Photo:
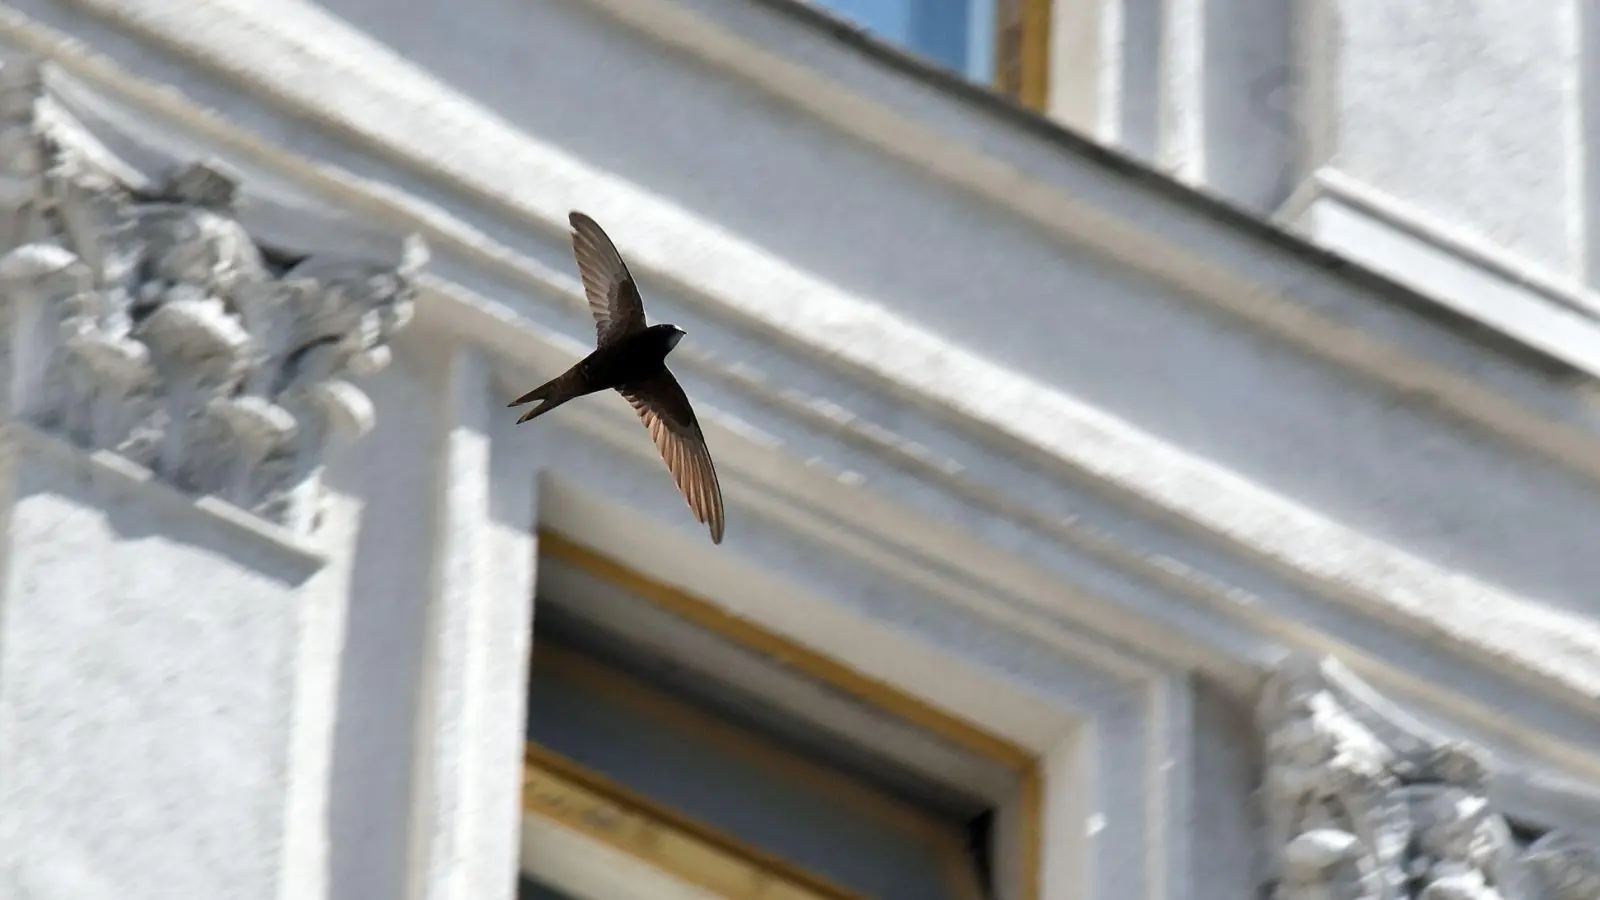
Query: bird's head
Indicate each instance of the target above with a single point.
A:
(674, 335)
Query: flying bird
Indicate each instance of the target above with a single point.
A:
(631, 359)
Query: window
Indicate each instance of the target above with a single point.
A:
(1004, 43)
(665, 759)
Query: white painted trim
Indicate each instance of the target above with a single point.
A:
(1110, 73)
(1369, 226)
(1181, 88)
(461, 485)
(1069, 817)
(469, 732)
(1172, 788)
(1413, 220)
(1076, 68)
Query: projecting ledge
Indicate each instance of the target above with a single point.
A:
(135, 502)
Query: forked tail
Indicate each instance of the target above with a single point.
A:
(550, 395)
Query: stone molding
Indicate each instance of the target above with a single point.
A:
(1535, 307)
(143, 318)
(1363, 802)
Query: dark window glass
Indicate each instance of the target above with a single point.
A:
(528, 889)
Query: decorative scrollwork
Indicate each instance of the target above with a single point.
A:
(146, 320)
(1363, 803)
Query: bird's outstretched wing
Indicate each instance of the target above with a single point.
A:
(665, 411)
(613, 296)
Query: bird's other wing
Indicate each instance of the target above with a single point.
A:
(667, 415)
(613, 296)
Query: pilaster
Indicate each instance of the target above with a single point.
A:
(480, 626)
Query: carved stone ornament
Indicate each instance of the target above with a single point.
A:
(1363, 802)
(143, 318)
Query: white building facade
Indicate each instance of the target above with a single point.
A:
(1207, 517)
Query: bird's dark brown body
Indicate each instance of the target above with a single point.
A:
(631, 359)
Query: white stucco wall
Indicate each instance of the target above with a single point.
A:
(148, 685)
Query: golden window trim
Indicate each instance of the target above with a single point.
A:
(818, 665)
(573, 796)
(648, 702)
(652, 704)
(570, 795)
(1022, 51)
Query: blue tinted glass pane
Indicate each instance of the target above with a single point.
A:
(937, 29)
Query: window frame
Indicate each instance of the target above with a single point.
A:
(1018, 843)
(544, 764)
(572, 796)
(1022, 40)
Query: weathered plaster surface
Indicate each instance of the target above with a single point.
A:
(1484, 139)
(147, 657)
